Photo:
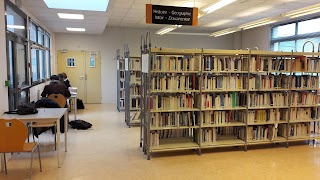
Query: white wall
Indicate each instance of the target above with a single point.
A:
(258, 37)
(114, 38)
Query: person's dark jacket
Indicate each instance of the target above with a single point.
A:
(67, 83)
(55, 87)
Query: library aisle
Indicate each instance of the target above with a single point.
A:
(111, 151)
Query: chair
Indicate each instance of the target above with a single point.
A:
(59, 99)
(13, 134)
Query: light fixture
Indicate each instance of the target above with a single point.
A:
(167, 29)
(252, 11)
(304, 11)
(218, 23)
(86, 5)
(70, 16)
(15, 27)
(224, 32)
(257, 23)
(76, 29)
(217, 5)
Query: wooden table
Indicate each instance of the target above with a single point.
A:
(43, 115)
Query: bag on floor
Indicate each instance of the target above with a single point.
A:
(80, 124)
(80, 104)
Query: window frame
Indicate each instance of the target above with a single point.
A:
(295, 37)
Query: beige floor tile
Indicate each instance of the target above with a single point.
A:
(110, 150)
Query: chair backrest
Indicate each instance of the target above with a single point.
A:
(13, 134)
(59, 98)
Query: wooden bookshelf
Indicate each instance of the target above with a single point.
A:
(232, 98)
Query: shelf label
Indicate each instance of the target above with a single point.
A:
(156, 14)
(118, 65)
(145, 63)
(126, 64)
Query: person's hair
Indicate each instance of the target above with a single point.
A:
(54, 77)
(64, 75)
(60, 76)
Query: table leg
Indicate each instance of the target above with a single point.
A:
(75, 108)
(65, 129)
(58, 142)
(2, 162)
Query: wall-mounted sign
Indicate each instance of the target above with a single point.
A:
(92, 62)
(71, 62)
(156, 14)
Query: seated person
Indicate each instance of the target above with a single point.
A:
(55, 87)
(66, 80)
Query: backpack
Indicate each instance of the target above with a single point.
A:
(80, 124)
(80, 104)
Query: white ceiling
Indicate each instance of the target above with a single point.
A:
(131, 13)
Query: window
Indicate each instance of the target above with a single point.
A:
(40, 53)
(15, 22)
(292, 37)
(33, 32)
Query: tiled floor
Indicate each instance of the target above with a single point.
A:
(111, 151)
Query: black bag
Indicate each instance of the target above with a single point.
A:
(80, 104)
(27, 108)
(80, 124)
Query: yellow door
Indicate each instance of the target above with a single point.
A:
(84, 72)
(93, 77)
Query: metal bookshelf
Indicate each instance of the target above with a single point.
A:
(132, 88)
(120, 82)
(261, 109)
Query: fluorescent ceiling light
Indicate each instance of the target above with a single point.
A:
(224, 32)
(87, 5)
(76, 29)
(70, 16)
(257, 23)
(304, 11)
(15, 27)
(167, 29)
(218, 23)
(217, 5)
(252, 11)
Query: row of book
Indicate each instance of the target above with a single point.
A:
(303, 63)
(175, 83)
(269, 64)
(172, 102)
(305, 81)
(217, 64)
(260, 82)
(226, 100)
(268, 99)
(135, 64)
(175, 63)
(135, 102)
(297, 114)
(266, 115)
(266, 132)
(135, 76)
(135, 90)
(232, 82)
(304, 98)
(296, 129)
(173, 119)
(155, 136)
(209, 135)
(222, 117)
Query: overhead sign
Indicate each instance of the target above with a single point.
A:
(156, 14)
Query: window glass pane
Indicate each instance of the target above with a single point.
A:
(11, 72)
(285, 46)
(308, 46)
(33, 32)
(21, 65)
(15, 23)
(41, 64)
(310, 26)
(48, 65)
(34, 63)
(284, 31)
(23, 97)
(47, 41)
(40, 35)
